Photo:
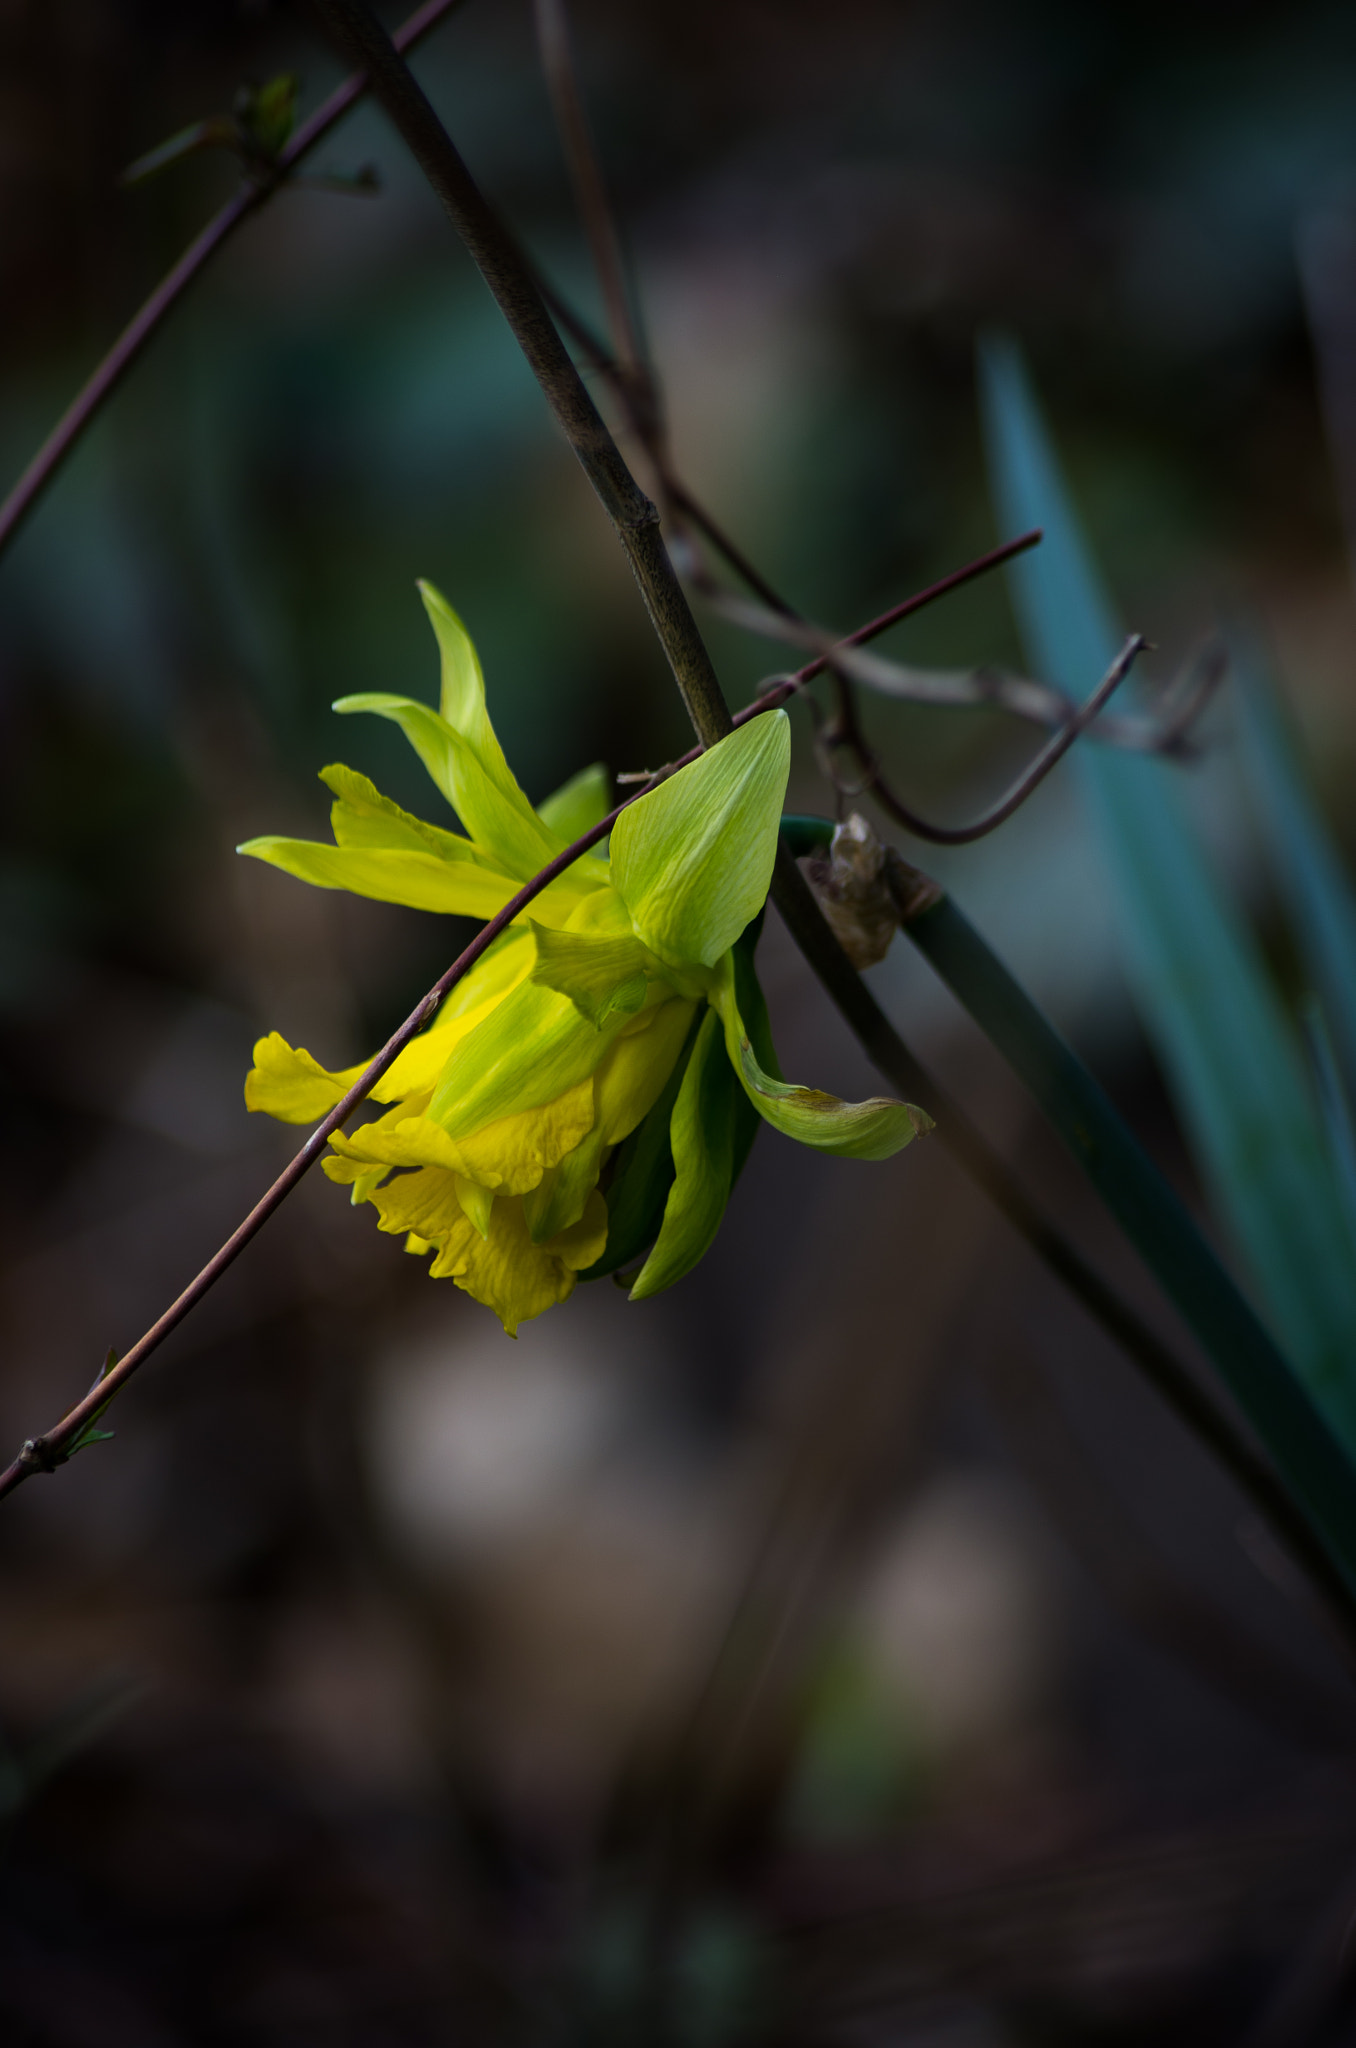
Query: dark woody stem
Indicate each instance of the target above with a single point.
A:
(45, 1453)
(360, 36)
(364, 42)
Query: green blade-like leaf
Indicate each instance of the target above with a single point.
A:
(702, 1136)
(1334, 1107)
(1313, 880)
(638, 1183)
(1199, 981)
(693, 860)
(1307, 1452)
(753, 1010)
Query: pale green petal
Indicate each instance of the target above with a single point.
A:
(476, 1201)
(602, 977)
(499, 819)
(530, 1049)
(875, 1129)
(693, 859)
(574, 808)
(702, 1137)
(509, 1156)
(362, 816)
(420, 881)
(634, 1074)
(602, 913)
(506, 962)
(462, 701)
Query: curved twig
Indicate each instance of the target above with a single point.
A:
(357, 31)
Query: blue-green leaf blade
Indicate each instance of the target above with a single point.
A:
(1226, 1046)
(1313, 882)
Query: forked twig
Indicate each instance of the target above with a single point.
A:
(1025, 785)
(46, 1452)
(633, 518)
(635, 386)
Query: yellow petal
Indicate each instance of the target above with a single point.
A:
(418, 1067)
(287, 1083)
(507, 1157)
(582, 1245)
(631, 1078)
(561, 1198)
(506, 1271)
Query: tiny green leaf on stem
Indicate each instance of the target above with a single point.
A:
(218, 132)
(91, 1433)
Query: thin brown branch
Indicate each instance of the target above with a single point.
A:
(254, 192)
(46, 1452)
(358, 33)
(362, 39)
(586, 176)
(963, 689)
(1025, 785)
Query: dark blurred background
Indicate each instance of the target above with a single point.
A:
(845, 1648)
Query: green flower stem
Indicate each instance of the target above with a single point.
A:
(1308, 1458)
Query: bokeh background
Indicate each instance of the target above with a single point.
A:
(844, 1648)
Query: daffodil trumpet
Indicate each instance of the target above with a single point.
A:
(585, 1096)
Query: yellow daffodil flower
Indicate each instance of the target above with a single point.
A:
(593, 1085)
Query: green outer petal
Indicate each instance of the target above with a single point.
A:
(578, 804)
(642, 1174)
(693, 859)
(530, 1049)
(477, 1203)
(501, 821)
(419, 880)
(602, 977)
(462, 701)
(702, 1136)
(875, 1129)
(753, 1009)
(362, 816)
